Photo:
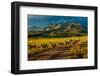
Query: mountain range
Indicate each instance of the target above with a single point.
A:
(66, 29)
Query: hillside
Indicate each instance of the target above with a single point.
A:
(59, 30)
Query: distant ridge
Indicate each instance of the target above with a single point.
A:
(59, 30)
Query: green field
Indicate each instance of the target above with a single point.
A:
(57, 48)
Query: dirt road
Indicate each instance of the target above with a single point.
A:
(59, 52)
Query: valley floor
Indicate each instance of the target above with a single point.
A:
(57, 48)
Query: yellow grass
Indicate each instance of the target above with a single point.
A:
(38, 45)
(47, 40)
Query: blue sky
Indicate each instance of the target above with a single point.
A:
(45, 20)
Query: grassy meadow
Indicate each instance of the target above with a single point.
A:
(57, 48)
